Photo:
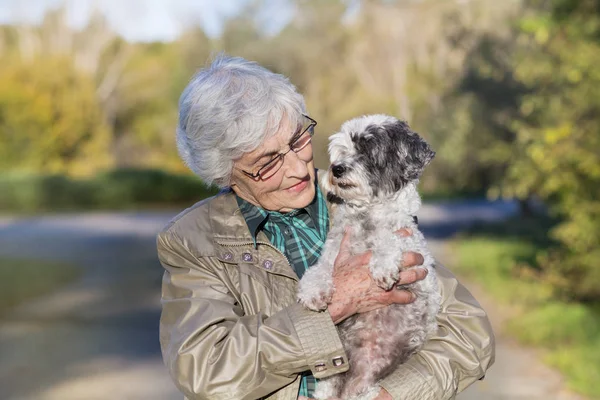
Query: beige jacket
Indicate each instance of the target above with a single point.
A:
(231, 328)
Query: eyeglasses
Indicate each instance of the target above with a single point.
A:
(301, 139)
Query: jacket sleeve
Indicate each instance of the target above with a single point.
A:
(213, 350)
(458, 355)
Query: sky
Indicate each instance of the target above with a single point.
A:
(146, 20)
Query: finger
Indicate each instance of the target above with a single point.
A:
(401, 297)
(412, 259)
(404, 232)
(411, 276)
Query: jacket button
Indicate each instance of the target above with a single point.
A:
(268, 264)
(247, 257)
(227, 256)
(337, 361)
(320, 367)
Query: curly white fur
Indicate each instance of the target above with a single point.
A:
(376, 341)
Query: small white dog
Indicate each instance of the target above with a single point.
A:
(376, 162)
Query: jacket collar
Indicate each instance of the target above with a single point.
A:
(256, 217)
(226, 219)
(234, 240)
(228, 223)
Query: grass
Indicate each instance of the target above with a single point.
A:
(22, 280)
(496, 256)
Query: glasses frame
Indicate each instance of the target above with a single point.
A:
(309, 128)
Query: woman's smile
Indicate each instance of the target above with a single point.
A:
(299, 187)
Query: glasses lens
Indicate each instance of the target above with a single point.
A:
(270, 168)
(301, 142)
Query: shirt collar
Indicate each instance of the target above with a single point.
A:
(256, 216)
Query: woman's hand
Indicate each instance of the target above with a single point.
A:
(355, 290)
(383, 395)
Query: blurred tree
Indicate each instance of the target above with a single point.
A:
(134, 84)
(559, 134)
(312, 51)
(413, 52)
(473, 127)
(435, 64)
(50, 122)
(145, 107)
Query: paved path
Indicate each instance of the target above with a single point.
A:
(97, 338)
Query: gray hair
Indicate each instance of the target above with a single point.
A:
(228, 109)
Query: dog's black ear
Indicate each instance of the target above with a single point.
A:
(422, 156)
(415, 154)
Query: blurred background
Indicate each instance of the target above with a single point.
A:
(507, 93)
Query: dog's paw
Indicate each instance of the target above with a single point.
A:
(325, 390)
(314, 303)
(316, 300)
(315, 289)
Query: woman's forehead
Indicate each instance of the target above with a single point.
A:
(273, 144)
(284, 133)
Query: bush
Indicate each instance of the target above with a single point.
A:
(505, 258)
(117, 189)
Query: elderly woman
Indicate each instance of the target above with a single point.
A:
(230, 326)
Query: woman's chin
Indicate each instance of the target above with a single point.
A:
(298, 196)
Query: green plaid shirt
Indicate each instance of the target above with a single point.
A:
(300, 235)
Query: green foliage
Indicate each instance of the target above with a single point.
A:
(23, 192)
(559, 134)
(524, 121)
(139, 186)
(50, 121)
(578, 361)
(145, 111)
(117, 189)
(498, 257)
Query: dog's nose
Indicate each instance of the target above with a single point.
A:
(338, 170)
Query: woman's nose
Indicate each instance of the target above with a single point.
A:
(296, 164)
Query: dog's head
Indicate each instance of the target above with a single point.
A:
(372, 157)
